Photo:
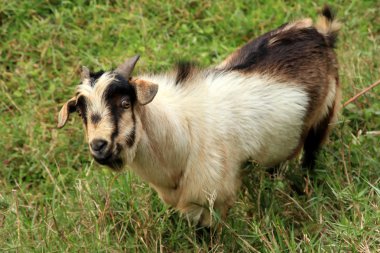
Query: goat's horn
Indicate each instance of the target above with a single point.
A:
(127, 67)
(85, 73)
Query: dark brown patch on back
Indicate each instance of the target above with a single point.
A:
(295, 55)
(251, 53)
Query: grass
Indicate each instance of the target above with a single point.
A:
(54, 198)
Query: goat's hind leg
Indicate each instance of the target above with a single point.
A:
(315, 138)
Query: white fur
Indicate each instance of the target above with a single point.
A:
(196, 137)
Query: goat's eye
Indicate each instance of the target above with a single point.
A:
(125, 104)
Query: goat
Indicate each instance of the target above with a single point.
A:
(188, 132)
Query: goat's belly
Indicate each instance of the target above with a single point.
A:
(274, 132)
(279, 150)
(277, 143)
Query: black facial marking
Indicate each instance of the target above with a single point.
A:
(113, 94)
(132, 136)
(95, 118)
(115, 118)
(120, 87)
(82, 108)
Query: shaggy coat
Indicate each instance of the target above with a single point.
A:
(188, 132)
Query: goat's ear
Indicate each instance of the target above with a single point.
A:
(126, 68)
(65, 111)
(145, 90)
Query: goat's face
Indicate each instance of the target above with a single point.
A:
(109, 106)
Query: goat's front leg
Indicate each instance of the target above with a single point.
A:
(214, 215)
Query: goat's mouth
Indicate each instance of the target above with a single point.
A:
(114, 163)
(112, 160)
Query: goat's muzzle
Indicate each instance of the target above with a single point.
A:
(104, 154)
(98, 147)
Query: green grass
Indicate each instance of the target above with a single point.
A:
(54, 198)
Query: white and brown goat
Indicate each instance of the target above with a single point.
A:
(187, 132)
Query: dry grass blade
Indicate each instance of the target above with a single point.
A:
(361, 93)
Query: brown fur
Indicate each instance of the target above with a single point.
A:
(310, 61)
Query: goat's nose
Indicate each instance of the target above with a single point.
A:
(98, 145)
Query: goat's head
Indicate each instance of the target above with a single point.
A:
(109, 104)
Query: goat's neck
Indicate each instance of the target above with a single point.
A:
(163, 149)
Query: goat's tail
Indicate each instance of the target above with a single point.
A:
(328, 26)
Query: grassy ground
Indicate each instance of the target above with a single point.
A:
(53, 198)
